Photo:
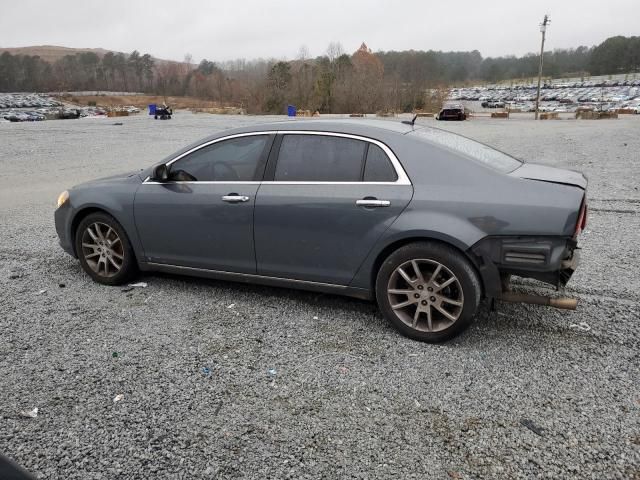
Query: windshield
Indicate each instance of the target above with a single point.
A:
(477, 151)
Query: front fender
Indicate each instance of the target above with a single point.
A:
(115, 199)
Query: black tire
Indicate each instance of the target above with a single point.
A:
(155, 117)
(128, 266)
(456, 264)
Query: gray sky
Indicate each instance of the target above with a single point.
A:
(224, 30)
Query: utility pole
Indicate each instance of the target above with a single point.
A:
(543, 29)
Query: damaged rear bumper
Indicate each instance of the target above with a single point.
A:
(548, 259)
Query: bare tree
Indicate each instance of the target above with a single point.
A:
(303, 53)
(334, 50)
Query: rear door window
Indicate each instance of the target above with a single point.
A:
(320, 158)
(378, 167)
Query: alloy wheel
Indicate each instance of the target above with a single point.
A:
(102, 249)
(425, 295)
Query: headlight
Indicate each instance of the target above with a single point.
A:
(63, 197)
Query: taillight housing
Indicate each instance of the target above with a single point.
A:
(581, 224)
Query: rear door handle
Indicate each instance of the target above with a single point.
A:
(372, 203)
(235, 198)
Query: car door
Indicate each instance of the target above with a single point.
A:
(202, 217)
(325, 200)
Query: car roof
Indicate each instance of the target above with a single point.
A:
(354, 126)
(391, 132)
(382, 130)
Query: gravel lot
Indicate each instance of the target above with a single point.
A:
(300, 385)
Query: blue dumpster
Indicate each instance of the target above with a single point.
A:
(152, 109)
(291, 110)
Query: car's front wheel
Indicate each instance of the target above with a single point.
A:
(428, 291)
(104, 250)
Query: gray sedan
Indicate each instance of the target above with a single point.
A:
(426, 222)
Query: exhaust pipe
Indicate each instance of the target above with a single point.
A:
(562, 302)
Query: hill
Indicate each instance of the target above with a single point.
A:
(51, 53)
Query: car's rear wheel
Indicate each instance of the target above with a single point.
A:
(428, 291)
(104, 250)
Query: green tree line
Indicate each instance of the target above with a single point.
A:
(334, 82)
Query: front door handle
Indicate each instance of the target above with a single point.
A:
(372, 203)
(235, 198)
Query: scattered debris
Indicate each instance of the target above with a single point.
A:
(217, 410)
(532, 426)
(131, 286)
(272, 371)
(117, 398)
(29, 414)
(206, 371)
(231, 306)
(315, 318)
(343, 370)
(14, 275)
(61, 285)
(114, 355)
(583, 326)
(40, 292)
(118, 123)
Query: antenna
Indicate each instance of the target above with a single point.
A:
(412, 121)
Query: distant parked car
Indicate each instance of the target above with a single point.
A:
(424, 221)
(35, 116)
(453, 112)
(494, 104)
(17, 117)
(634, 108)
(69, 113)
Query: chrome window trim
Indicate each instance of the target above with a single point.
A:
(203, 182)
(403, 178)
(206, 144)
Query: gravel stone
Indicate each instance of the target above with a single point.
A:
(351, 397)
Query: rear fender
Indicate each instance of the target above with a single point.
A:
(438, 226)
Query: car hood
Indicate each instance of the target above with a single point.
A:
(131, 176)
(543, 173)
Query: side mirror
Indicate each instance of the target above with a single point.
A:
(160, 173)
